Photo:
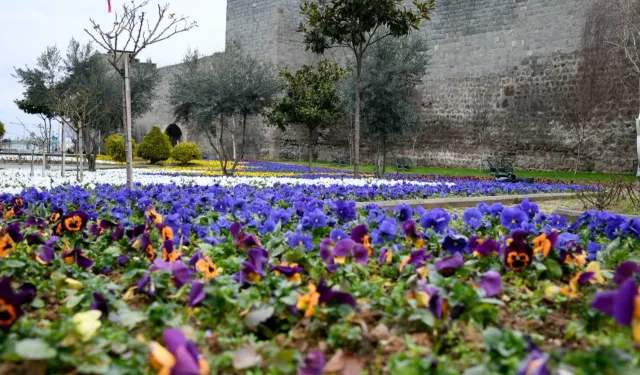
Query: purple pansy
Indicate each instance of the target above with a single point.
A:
(436, 219)
(491, 283)
(447, 266)
(313, 363)
(78, 257)
(473, 218)
(11, 302)
(513, 218)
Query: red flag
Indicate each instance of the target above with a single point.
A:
(109, 5)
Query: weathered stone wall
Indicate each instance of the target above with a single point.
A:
(519, 57)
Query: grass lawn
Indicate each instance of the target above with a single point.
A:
(555, 175)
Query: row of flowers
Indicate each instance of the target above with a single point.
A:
(260, 278)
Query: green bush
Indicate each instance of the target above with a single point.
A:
(185, 152)
(115, 147)
(155, 146)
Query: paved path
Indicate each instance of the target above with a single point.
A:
(470, 201)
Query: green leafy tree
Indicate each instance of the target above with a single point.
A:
(40, 84)
(1, 129)
(356, 25)
(115, 147)
(390, 76)
(311, 100)
(81, 91)
(209, 93)
(156, 146)
(185, 152)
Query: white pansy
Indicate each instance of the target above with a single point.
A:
(13, 181)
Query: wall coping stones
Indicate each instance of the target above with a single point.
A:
(469, 201)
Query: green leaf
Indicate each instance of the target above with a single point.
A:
(114, 251)
(37, 303)
(424, 316)
(93, 369)
(255, 317)
(35, 349)
(555, 270)
(492, 301)
(74, 300)
(130, 318)
(290, 299)
(14, 263)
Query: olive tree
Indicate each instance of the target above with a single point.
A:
(208, 93)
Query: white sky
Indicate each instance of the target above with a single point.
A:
(29, 26)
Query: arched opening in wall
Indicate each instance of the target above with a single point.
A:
(174, 133)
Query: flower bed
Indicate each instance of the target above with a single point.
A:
(26, 158)
(199, 279)
(15, 180)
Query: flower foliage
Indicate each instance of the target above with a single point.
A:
(189, 279)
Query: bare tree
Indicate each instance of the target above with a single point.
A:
(134, 30)
(481, 118)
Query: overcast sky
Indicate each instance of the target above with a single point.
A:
(29, 26)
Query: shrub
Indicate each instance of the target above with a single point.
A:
(115, 147)
(155, 146)
(185, 152)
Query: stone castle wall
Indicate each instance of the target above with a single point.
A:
(517, 57)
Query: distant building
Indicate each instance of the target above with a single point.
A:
(13, 145)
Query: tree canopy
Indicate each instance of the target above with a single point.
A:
(209, 91)
(311, 100)
(80, 90)
(356, 25)
(390, 76)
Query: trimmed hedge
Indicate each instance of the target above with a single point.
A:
(155, 147)
(185, 152)
(115, 147)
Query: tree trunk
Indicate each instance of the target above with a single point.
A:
(244, 132)
(80, 159)
(44, 160)
(575, 172)
(62, 149)
(310, 150)
(356, 122)
(233, 136)
(377, 169)
(222, 155)
(384, 158)
(91, 159)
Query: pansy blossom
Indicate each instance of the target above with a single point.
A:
(412, 233)
(11, 301)
(252, 269)
(518, 253)
(536, 362)
(483, 246)
(78, 257)
(203, 264)
(428, 296)
(74, 221)
(178, 356)
(290, 271)
(313, 363)
(360, 234)
(544, 243)
(448, 266)
(623, 305)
